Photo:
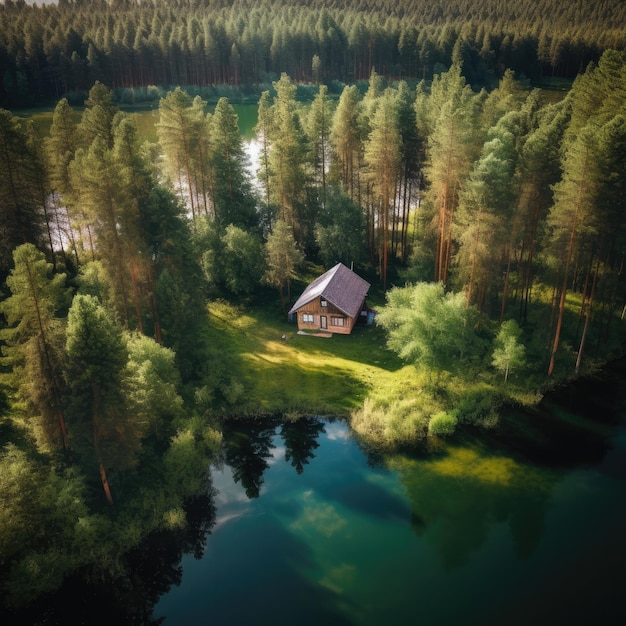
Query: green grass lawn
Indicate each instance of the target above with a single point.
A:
(306, 374)
(389, 403)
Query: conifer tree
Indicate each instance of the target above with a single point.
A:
(20, 217)
(346, 141)
(264, 130)
(283, 257)
(178, 138)
(382, 157)
(451, 147)
(61, 145)
(572, 218)
(484, 217)
(34, 343)
(105, 436)
(318, 128)
(234, 202)
(289, 180)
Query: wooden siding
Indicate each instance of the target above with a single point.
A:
(316, 309)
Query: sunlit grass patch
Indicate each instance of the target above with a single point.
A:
(282, 371)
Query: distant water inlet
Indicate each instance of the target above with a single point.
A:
(522, 525)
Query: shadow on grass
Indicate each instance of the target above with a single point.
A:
(298, 373)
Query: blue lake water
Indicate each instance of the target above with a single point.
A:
(525, 525)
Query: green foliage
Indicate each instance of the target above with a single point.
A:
(478, 406)
(431, 328)
(34, 340)
(20, 180)
(340, 230)
(509, 353)
(185, 464)
(443, 423)
(288, 179)
(151, 385)
(46, 50)
(395, 423)
(243, 261)
(104, 434)
(283, 256)
(95, 346)
(233, 200)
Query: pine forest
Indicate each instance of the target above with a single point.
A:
(422, 142)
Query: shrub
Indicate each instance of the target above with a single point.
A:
(442, 423)
(479, 407)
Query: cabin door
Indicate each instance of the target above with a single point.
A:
(323, 322)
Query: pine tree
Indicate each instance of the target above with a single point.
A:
(105, 435)
(20, 217)
(452, 118)
(289, 180)
(382, 157)
(178, 135)
(484, 218)
(346, 141)
(34, 343)
(572, 217)
(234, 202)
(283, 257)
(318, 129)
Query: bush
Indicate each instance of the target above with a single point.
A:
(442, 423)
(479, 407)
(399, 422)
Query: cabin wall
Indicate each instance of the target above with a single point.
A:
(337, 322)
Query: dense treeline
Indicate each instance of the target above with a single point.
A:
(512, 210)
(50, 51)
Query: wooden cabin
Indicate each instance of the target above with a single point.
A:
(332, 303)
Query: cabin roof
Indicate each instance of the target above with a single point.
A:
(340, 286)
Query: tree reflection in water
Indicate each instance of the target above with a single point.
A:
(247, 446)
(148, 572)
(300, 439)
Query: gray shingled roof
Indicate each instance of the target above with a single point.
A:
(340, 286)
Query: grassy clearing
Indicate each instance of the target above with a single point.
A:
(308, 374)
(390, 404)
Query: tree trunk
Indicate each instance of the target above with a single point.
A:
(96, 441)
(559, 322)
(587, 317)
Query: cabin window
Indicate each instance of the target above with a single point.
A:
(337, 321)
(323, 302)
(307, 318)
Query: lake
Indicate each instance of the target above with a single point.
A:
(145, 117)
(523, 524)
(303, 526)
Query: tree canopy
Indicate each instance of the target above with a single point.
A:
(62, 48)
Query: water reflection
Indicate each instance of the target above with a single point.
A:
(528, 512)
(300, 440)
(247, 446)
(148, 573)
(458, 497)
